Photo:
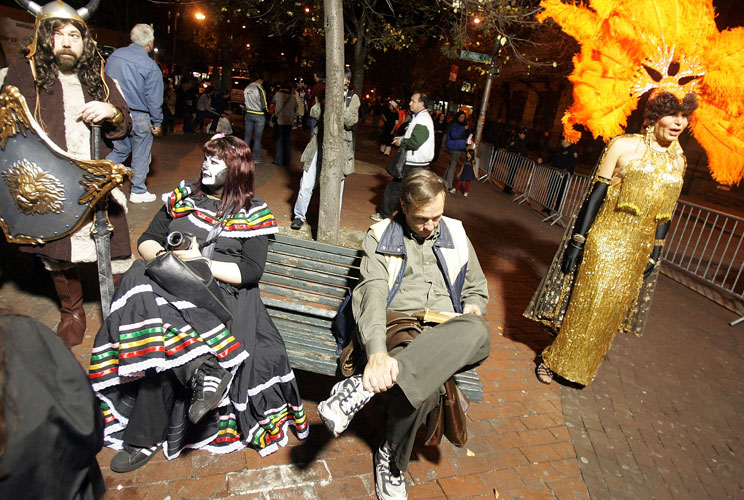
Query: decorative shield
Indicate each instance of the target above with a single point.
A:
(45, 193)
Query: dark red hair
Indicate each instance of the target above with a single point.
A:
(238, 190)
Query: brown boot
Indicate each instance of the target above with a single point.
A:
(71, 328)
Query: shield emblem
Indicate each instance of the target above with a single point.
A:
(45, 193)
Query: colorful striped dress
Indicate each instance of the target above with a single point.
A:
(150, 329)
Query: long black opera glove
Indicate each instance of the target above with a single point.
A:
(661, 232)
(584, 222)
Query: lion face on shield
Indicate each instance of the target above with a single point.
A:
(33, 189)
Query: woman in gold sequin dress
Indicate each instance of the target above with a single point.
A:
(614, 246)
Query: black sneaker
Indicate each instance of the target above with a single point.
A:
(208, 386)
(132, 457)
(297, 223)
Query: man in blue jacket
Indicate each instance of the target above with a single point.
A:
(141, 82)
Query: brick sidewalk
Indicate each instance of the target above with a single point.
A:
(521, 445)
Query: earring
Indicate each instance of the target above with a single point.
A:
(650, 129)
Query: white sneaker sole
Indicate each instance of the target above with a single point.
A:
(329, 423)
(380, 497)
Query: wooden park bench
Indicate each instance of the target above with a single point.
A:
(302, 286)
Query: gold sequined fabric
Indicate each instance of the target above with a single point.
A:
(607, 293)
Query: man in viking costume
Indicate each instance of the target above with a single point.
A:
(63, 83)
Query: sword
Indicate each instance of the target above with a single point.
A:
(101, 230)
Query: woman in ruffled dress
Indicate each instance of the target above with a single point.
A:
(174, 374)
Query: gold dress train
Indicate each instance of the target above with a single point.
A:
(609, 279)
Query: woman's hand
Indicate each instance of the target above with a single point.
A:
(192, 252)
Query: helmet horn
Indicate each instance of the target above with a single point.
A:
(33, 7)
(88, 10)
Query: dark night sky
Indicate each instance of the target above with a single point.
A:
(731, 12)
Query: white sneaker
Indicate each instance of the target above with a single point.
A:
(390, 484)
(347, 398)
(145, 197)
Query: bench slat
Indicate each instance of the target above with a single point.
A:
(322, 324)
(305, 274)
(295, 295)
(271, 302)
(313, 254)
(313, 265)
(307, 286)
(325, 247)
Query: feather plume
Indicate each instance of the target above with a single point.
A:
(629, 47)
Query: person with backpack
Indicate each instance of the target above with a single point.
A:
(457, 141)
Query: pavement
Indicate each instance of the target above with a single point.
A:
(663, 418)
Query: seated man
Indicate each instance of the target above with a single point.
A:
(414, 261)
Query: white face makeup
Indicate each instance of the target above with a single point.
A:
(213, 172)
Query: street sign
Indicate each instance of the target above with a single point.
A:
(475, 57)
(453, 72)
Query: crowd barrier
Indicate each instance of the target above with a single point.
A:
(703, 243)
(708, 245)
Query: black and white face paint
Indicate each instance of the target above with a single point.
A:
(213, 172)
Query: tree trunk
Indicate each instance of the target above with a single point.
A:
(333, 123)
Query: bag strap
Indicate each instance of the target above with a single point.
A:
(209, 245)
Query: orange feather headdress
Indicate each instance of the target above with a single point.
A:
(629, 47)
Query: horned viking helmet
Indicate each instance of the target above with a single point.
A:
(55, 10)
(59, 10)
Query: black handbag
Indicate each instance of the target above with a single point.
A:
(397, 163)
(191, 281)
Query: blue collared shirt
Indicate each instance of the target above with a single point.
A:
(140, 79)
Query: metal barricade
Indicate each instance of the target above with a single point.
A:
(708, 245)
(500, 166)
(547, 188)
(514, 171)
(484, 160)
(572, 197)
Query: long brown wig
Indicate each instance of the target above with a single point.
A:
(238, 190)
(87, 68)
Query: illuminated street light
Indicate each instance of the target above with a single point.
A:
(199, 16)
(307, 10)
(476, 20)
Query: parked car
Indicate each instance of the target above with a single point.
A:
(239, 83)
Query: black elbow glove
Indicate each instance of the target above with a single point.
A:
(661, 232)
(584, 222)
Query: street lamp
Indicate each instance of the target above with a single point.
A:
(199, 16)
(499, 43)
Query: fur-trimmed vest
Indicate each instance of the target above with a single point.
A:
(62, 124)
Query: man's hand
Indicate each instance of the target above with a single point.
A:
(380, 372)
(471, 309)
(97, 112)
(397, 140)
(156, 131)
